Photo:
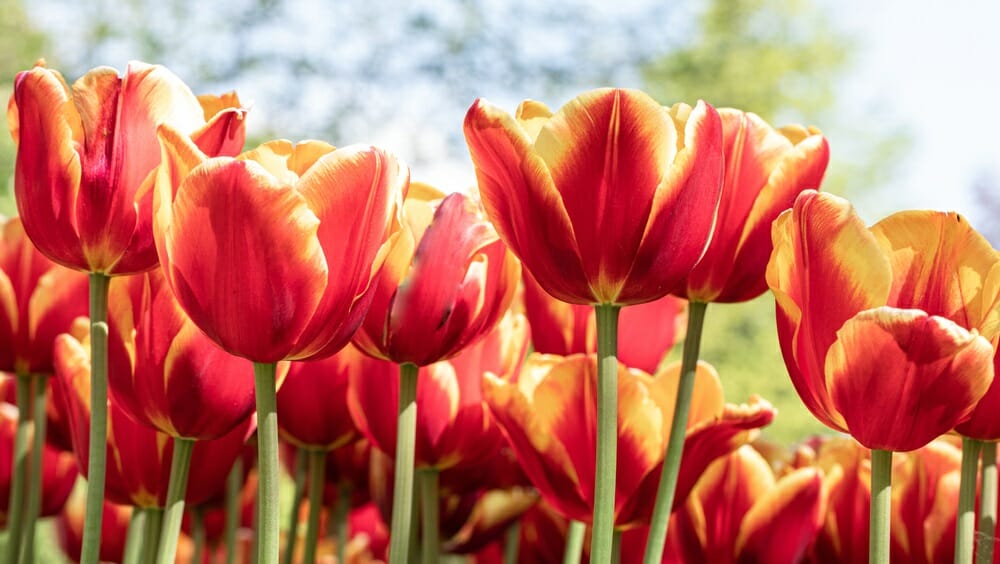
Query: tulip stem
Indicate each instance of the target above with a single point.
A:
(267, 463)
(234, 487)
(402, 492)
(512, 542)
(15, 520)
(965, 531)
(881, 506)
(574, 542)
(151, 535)
(40, 382)
(431, 546)
(601, 539)
(96, 460)
(180, 462)
(616, 547)
(198, 533)
(300, 475)
(987, 505)
(317, 475)
(678, 430)
(341, 512)
(133, 537)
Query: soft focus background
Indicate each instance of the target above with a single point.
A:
(905, 91)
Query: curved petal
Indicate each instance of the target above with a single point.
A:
(558, 327)
(60, 297)
(252, 291)
(825, 268)
(783, 523)
(224, 132)
(940, 265)
(312, 401)
(934, 370)
(523, 203)
(983, 424)
(647, 332)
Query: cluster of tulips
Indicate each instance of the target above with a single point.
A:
(444, 370)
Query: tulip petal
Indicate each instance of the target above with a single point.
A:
(782, 524)
(934, 371)
(523, 203)
(825, 268)
(251, 290)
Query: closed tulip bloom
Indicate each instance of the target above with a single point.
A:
(766, 168)
(646, 331)
(925, 507)
(114, 528)
(903, 310)
(609, 200)
(139, 457)
(272, 254)
(84, 154)
(549, 417)
(446, 283)
(167, 374)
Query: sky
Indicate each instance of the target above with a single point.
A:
(937, 71)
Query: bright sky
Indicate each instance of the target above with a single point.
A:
(938, 68)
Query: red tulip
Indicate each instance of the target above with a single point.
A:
(766, 169)
(84, 155)
(139, 457)
(646, 331)
(114, 527)
(272, 254)
(445, 284)
(612, 199)
(895, 311)
(57, 431)
(549, 417)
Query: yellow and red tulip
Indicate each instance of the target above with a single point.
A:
(446, 283)
(84, 154)
(164, 372)
(549, 417)
(647, 331)
(766, 168)
(272, 254)
(905, 308)
(611, 199)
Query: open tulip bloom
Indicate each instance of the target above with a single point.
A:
(902, 311)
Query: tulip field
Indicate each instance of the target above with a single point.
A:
(291, 353)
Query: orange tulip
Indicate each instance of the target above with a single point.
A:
(766, 169)
(84, 155)
(903, 310)
(272, 254)
(446, 283)
(164, 372)
(139, 457)
(647, 331)
(549, 417)
(611, 199)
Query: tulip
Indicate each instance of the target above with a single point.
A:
(115, 527)
(83, 185)
(166, 374)
(272, 255)
(903, 310)
(39, 300)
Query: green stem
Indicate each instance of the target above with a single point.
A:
(97, 457)
(678, 430)
(34, 505)
(965, 532)
(340, 514)
(198, 533)
(881, 506)
(234, 487)
(987, 505)
(429, 503)
(601, 539)
(300, 487)
(402, 493)
(133, 538)
(512, 542)
(574, 542)
(267, 464)
(151, 534)
(179, 465)
(15, 520)
(317, 475)
(616, 547)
